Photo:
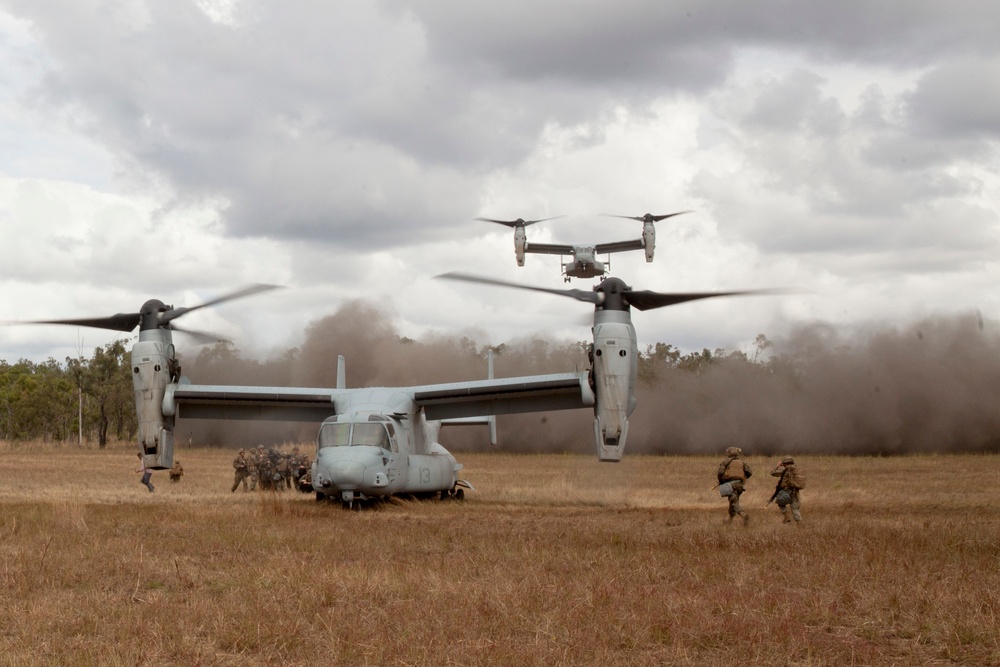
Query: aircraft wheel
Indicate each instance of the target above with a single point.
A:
(459, 494)
(320, 497)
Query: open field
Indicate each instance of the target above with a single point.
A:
(554, 560)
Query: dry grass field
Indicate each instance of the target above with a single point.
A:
(554, 560)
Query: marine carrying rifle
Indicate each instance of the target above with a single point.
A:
(777, 487)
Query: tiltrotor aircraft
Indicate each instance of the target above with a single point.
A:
(584, 263)
(374, 442)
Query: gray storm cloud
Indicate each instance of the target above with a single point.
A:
(314, 120)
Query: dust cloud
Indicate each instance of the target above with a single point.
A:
(931, 386)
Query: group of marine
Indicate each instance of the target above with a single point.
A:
(271, 470)
(734, 472)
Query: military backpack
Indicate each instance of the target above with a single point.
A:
(734, 470)
(796, 480)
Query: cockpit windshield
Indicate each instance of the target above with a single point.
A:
(370, 434)
(339, 435)
(334, 435)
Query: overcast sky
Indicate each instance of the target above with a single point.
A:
(181, 150)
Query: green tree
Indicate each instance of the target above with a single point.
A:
(656, 360)
(35, 401)
(108, 381)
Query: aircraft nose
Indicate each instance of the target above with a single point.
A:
(347, 473)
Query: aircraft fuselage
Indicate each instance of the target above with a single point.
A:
(364, 452)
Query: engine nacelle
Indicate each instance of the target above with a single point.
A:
(615, 366)
(520, 241)
(153, 363)
(649, 239)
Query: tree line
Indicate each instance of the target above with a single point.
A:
(60, 402)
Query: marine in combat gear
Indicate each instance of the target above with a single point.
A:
(176, 472)
(733, 473)
(786, 492)
(241, 471)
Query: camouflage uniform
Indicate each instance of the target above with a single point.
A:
(283, 467)
(253, 465)
(295, 465)
(267, 469)
(242, 471)
(790, 481)
(176, 472)
(735, 472)
(304, 484)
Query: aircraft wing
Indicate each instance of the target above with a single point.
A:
(548, 248)
(504, 396)
(201, 401)
(619, 246)
(456, 400)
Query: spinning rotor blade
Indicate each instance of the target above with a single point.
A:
(647, 300)
(154, 314)
(238, 294)
(580, 295)
(649, 217)
(613, 293)
(520, 222)
(200, 337)
(121, 322)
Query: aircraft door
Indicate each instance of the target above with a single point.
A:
(392, 461)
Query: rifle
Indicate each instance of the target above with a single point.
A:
(777, 488)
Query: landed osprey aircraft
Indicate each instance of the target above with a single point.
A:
(584, 263)
(374, 442)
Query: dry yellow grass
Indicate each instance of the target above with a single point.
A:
(554, 560)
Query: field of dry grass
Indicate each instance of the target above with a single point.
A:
(554, 560)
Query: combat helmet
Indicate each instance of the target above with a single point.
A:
(733, 452)
(787, 461)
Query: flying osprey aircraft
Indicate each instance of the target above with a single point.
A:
(584, 263)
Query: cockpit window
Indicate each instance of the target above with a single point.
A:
(335, 435)
(371, 434)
